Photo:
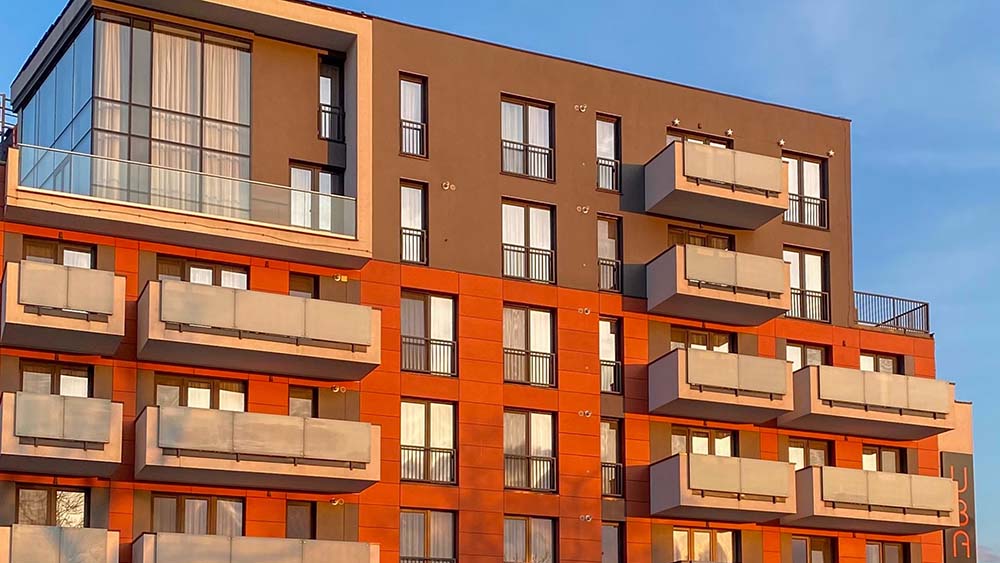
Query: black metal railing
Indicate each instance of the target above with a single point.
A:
(526, 160)
(409, 559)
(896, 313)
(535, 473)
(434, 465)
(532, 368)
(610, 274)
(412, 137)
(8, 126)
(806, 210)
(331, 123)
(427, 355)
(535, 264)
(810, 305)
(413, 245)
(612, 479)
(611, 377)
(608, 174)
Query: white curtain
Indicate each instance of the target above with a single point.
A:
(228, 518)
(607, 239)
(220, 196)
(605, 139)
(442, 535)
(195, 516)
(608, 343)
(442, 426)
(724, 547)
(111, 61)
(541, 331)
(514, 433)
(702, 546)
(793, 174)
(792, 258)
(681, 545)
(442, 328)
(512, 122)
(73, 385)
(814, 272)
(413, 424)
(514, 328)
(541, 540)
(540, 228)
(411, 207)
(413, 317)
(810, 179)
(515, 549)
(411, 101)
(541, 434)
(411, 534)
(301, 198)
(227, 84)
(110, 177)
(176, 73)
(538, 126)
(513, 224)
(609, 443)
(171, 186)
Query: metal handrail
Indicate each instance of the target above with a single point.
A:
(424, 355)
(413, 238)
(611, 377)
(423, 459)
(417, 136)
(886, 311)
(518, 262)
(331, 120)
(608, 168)
(611, 479)
(610, 274)
(526, 150)
(520, 472)
(803, 208)
(519, 367)
(809, 305)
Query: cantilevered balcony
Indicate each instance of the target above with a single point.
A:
(61, 308)
(52, 544)
(62, 435)
(185, 548)
(716, 185)
(864, 403)
(728, 489)
(720, 386)
(257, 331)
(223, 448)
(717, 285)
(837, 498)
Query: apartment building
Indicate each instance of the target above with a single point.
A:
(287, 283)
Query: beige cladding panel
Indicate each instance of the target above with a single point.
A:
(714, 473)
(205, 430)
(268, 434)
(315, 551)
(712, 369)
(709, 163)
(265, 550)
(761, 273)
(86, 419)
(269, 313)
(710, 265)
(43, 285)
(38, 416)
(331, 321)
(351, 440)
(763, 375)
(884, 389)
(758, 171)
(932, 493)
(841, 385)
(888, 489)
(90, 290)
(177, 548)
(844, 485)
(194, 304)
(77, 419)
(765, 478)
(930, 395)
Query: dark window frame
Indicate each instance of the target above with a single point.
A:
(526, 249)
(712, 338)
(55, 370)
(422, 126)
(802, 295)
(722, 241)
(610, 168)
(713, 434)
(426, 557)
(301, 392)
(527, 352)
(904, 555)
(185, 265)
(550, 150)
(612, 371)
(57, 247)
(183, 383)
(528, 540)
(426, 448)
(808, 446)
(879, 451)
(311, 505)
(877, 357)
(553, 440)
(797, 197)
(830, 550)
(303, 279)
(51, 509)
(211, 515)
(736, 546)
(610, 269)
(613, 472)
(429, 344)
(420, 234)
(335, 114)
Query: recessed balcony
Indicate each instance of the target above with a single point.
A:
(258, 331)
(180, 548)
(864, 403)
(838, 498)
(716, 185)
(62, 435)
(728, 489)
(61, 308)
(21, 543)
(719, 386)
(223, 448)
(717, 285)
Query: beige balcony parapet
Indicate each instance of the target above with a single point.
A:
(184, 548)
(22, 543)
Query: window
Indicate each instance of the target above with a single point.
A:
(331, 111)
(197, 515)
(55, 379)
(412, 115)
(529, 461)
(702, 340)
(611, 356)
(612, 473)
(802, 355)
(177, 391)
(38, 505)
(58, 252)
(690, 137)
(528, 346)
(528, 540)
(703, 441)
(300, 520)
(882, 458)
(428, 333)
(682, 235)
(526, 144)
(608, 153)
(810, 299)
(806, 191)
(812, 550)
(884, 552)
(427, 438)
(302, 402)
(413, 223)
(609, 259)
(528, 242)
(204, 273)
(802, 453)
(426, 536)
(611, 542)
(316, 199)
(718, 546)
(882, 363)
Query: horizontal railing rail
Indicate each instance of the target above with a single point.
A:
(608, 174)
(8, 125)
(412, 137)
(331, 123)
(413, 245)
(535, 473)
(612, 481)
(428, 355)
(897, 313)
(611, 377)
(535, 264)
(435, 465)
(610, 274)
(409, 559)
(806, 210)
(533, 368)
(810, 305)
(526, 159)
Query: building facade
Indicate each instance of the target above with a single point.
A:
(289, 283)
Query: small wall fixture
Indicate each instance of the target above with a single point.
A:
(781, 142)
(336, 501)
(586, 518)
(583, 310)
(676, 122)
(729, 132)
(446, 185)
(585, 414)
(830, 153)
(340, 278)
(583, 209)
(582, 108)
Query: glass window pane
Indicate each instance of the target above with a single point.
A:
(797, 456)
(300, 406)
(442, 536)
(873, 553)
(867, 362)
(37, 382)
(168, 395)
(71, 509)
(512, 122)
(76, 258)
(681, 545)
(892, 553)
(702, 546)
(74, 385)
(678, 444)
(111, 60)
(890, 461)
(817, 456)
(887, 365)
(515, 541)
(176, 72)
(606, 139)
(234, 279)
(164, 514)
(196, 516)
(869, 460)
(201, 275)
(411, 207)
(199, 395)
(411, 101)
(32, 507)
(298, 520)
(793, 353)
(814, 356)
(515, 433)
(412, 534)
(541, 540)
(231, 396)
(610, 543)
(800, 550)
(724, 549)
(724, 444)
(229, 518)
(699, 443)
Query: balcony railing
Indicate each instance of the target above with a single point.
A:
(331, 123)
(535, 264)
(413, 245)
(427, 355)
(412, 137)
(806, 210)
(612, 479)
(535, 473)
(434, 465)
(611, 274)
(8, 125)
(608, 174)
(525, 366)
(896, 313)
(186, 191)
(611, 377)
(408, 559)
(810, 305)
(526, 160)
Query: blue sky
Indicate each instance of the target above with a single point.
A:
(920, 80)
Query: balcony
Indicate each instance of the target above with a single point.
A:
(20, 543)
(727, 489)
(180, 548)
(717, 285)
(62, 309)
(257, 331)
(892, 313)
(719, 386)
(837, 498)
(240, 449)
(716, 185)
(863, 403)
(61, 435)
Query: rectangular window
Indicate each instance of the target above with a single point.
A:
(803, 453)
(528, 355)
(882, 363)
(611, 542)
(303, 285)
(529, 452)
(812, 550)
(412, 115)
(609, 257)
(883, 458)
(331, 110)
(810, 296)
(426, 536)
(38, 505)
(528, 540)
(204, 273)
(300, 520)
(884, 552)
(718, 546)
(178, 391)
(302, 402)
(612, 471)
(806, 191)
(197, 515)
(427, 439)
(56, 379)
(608, 153)
(58, 252)
(685, 338)
(528, 242)
(413, 223)
(526, 144)
(702, 441)
(611, 355)
(428, 333)
(682, 236)
(802, 355)
(317, 200)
